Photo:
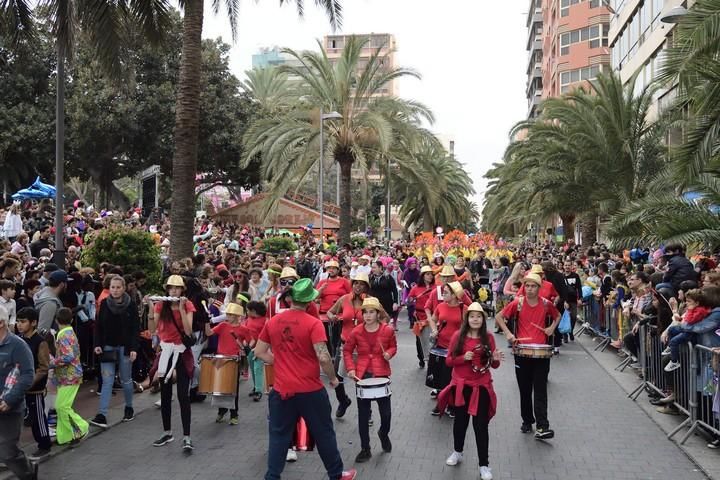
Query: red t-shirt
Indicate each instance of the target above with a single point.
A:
(530, 319)
(547, 290)
(350, 317)
(255, 325)
(421, 295)
(165, 330)
(227, 345)
(291, 335)
(450, 319)
(333, 290)
(433, 300)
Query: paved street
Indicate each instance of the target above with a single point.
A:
(600, 434)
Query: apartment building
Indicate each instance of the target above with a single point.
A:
(334, 44)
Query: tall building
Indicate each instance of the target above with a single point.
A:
(534, 87)
(270, 57)
(334, 44)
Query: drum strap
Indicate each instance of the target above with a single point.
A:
(516, 317)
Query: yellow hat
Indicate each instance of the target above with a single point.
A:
(482, 294)
(447, 271)
(425, 269)
(457, 289)
(289, 272)
(332, 263)
(175, 281)
(536, 269)
(235, 309)
(533, 277)
(372, 303)
(362, 277)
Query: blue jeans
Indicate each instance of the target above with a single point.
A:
(677, 337)
(108, 376)
(314, 407)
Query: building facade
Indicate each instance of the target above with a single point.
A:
(534, 86)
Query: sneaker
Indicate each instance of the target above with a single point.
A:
(421, 364)
(435, 412)
(371, 422)
(164, 440)
(450, 412)
(667, 400)
(715, 444)
(187, 445)
(137, 387)
(342, 407)
(99, 421)
(51, 432)
(386, 443)
(291, 456)
(572, 337)
(80, 438)
(666, 352)
(233, 421)
(454, 459)
(526, 428)
(52, 417)
(672, 366)
(39, 454)
(556, 351)
(348, 475)
(363, 456)
(544, 434)
(433, 393)
(485, 473)
(636, 365)
(220, 418)
(252, 393)
(158, 403)
(257, 396)
(129, 415)
(667, 410)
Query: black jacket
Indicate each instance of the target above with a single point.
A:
(383, 288)
(118, 329)
(679, 270)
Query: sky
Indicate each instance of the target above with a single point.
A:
(471, 55)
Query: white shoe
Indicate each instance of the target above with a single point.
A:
(291, 456)
(666, 352)
(158, 403)
(672, 366)
(485, 473)
(454, 459)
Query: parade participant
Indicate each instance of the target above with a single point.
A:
(16, 372)
(472, 352)
(418, 296)
(331, 289)
(117, 333)
(174, 328)
(71, 427)
(295, 343)
(446, 276)
(444, 322)
(279, 303)
(256, 318)
(232, 336)
(27, 321)
(438, 263)
(534, 319)
(547, 290)
(375, 344)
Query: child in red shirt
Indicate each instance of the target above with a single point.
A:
(256, 318)
(696, 310)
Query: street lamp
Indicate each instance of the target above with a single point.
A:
(674, 14)
(323, 116)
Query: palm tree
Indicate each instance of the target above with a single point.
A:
(187, 113)
(289, 141)
(104, 22)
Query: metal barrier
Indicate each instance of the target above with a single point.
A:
(703, 391)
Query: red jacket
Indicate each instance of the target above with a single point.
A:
(370, 357)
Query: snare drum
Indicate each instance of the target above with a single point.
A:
(269, 377)
(371, 388)
(438, 373)
(533, 350)
(218, 375)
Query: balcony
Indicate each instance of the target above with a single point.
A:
(534, 17)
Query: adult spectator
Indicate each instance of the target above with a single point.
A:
(42, 242)
(47, 300)
(29, 289)
(679, 267)
(73, 258)
(383, 287)
(48, 269)
(480, 269)
(639, 284)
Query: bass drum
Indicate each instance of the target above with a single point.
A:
(438, 374)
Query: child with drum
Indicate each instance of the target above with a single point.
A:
(471, 354)
(375, 344)
(232, 336)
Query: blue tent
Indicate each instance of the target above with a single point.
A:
(35, 191)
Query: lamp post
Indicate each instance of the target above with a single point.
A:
(321, 208)
(674, 15)
(388, 227)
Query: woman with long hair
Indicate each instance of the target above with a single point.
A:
(419, 295)
(470, 392)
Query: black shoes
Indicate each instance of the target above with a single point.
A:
(342, 407)
(99, 421)
(385, 442)
(421, 364)
(164, 440)
(363, 456)
(544, 434)
(526, 428)
(257, 396)
(129, 415)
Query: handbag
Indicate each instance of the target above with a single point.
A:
(187, 340)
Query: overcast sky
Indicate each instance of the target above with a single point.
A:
(470, 53)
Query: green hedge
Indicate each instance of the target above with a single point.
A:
(128, 248)
(277, 244)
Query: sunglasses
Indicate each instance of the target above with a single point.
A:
(286, 283)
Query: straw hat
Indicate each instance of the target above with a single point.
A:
(332, 263)
(457, 289)
(175, 281)
(475, 307)
(372, 303)
(235, 309)
(533, 277)
(362, 277)
(366, 257)
(289, 272)
(447, 271)
(536, 269)
(425, 269)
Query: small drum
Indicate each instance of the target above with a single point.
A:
(218, 375)
(371, 388)
(269, 377)
(438, 374)
(533, 350)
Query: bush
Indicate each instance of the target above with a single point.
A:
(276, 245)
(359, 241)
(128, 248)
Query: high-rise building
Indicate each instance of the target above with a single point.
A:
(334, 44)
(535, 55)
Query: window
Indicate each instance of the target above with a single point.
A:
(595, 35)
(574, 76)
(594, 3)
(565, 6)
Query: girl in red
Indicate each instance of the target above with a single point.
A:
(256, 317)
(471, 392)
(444, 322)
(375, 345)
(419, 295)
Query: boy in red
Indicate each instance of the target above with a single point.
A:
(472, 353)
(232, 336)
(294, 342)
(255, 322)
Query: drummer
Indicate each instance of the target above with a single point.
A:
(447, 275)
(472, 353)
(232, 336)
(444, 323)
(535, 319)
(375, 344)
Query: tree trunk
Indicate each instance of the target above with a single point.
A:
(589, 229)
(109, 193)
(568, 221)
(427, 221)
(345, 199)
(187, 115)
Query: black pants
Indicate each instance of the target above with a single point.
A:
(573, 317)
(532, 375)
(418, 347)
(631, 342)
(10, 454)
(183, 395)
(364, 413)
(36, 413)
(233, 412)
(480, 425)
(557, 338)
